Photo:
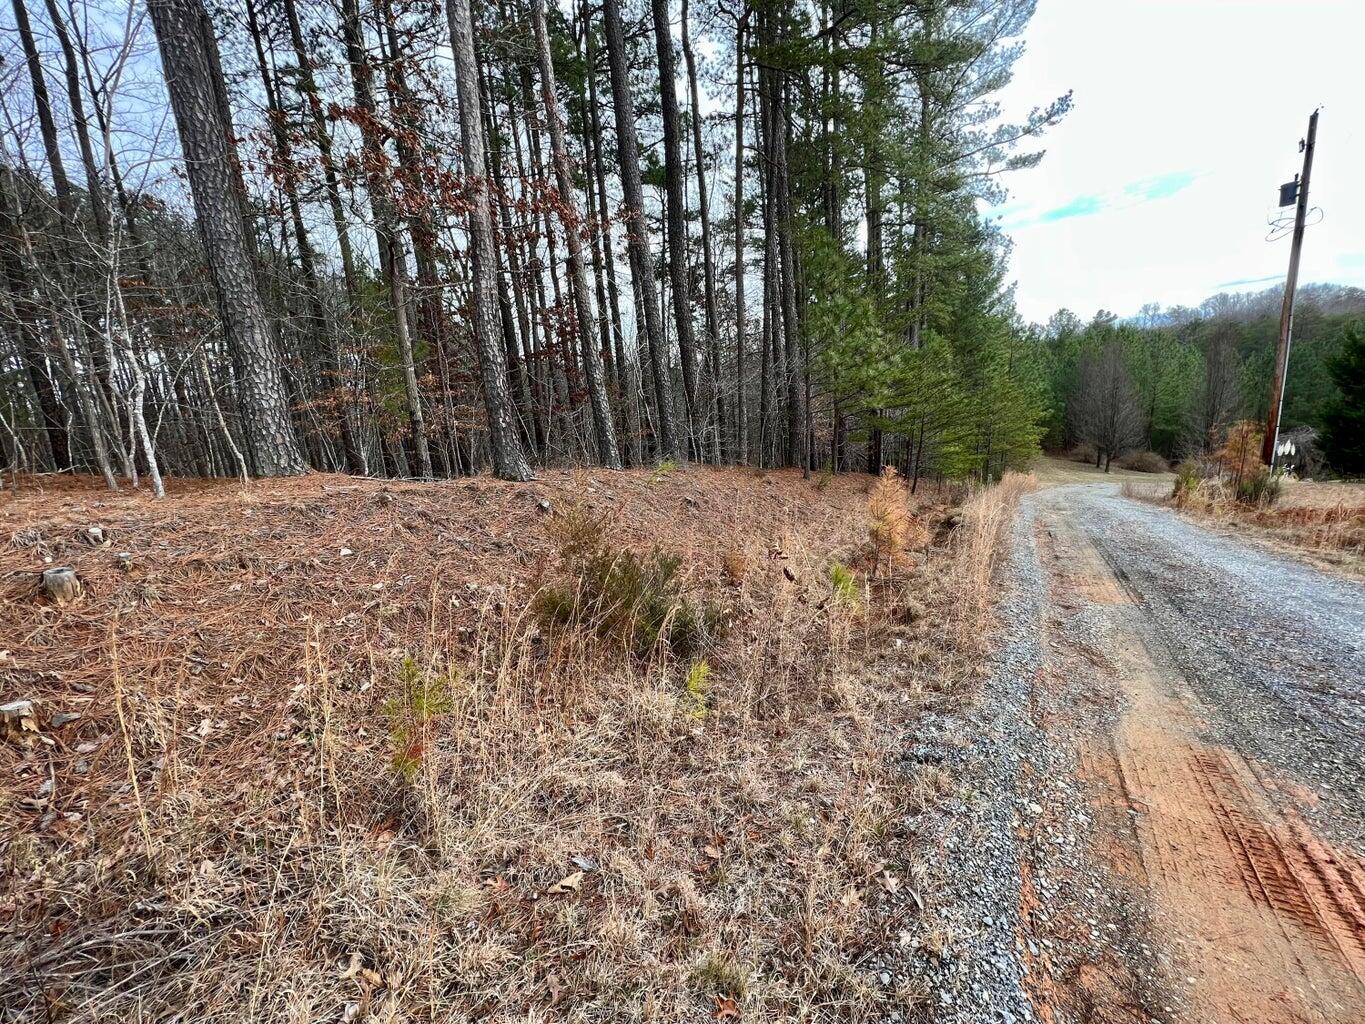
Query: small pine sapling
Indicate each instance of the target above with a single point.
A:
(889, 519)
(423, 697)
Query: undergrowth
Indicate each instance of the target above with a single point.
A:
(575, 835)
(622, 597)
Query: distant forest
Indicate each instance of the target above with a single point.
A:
(1185, 374)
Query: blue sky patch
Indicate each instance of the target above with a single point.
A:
(1163, 186)
(1081, 206)
(1014, 215)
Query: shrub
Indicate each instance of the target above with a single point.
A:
(622, 596)
(1144, 462)
(1259, 488)
(845, 584)
(698, 689)
(1186, 483)
(1083, 453)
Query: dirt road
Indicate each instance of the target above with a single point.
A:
(1193, 818)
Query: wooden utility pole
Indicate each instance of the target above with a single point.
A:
(1272, 425)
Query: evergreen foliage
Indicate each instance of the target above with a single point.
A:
(1343, 418)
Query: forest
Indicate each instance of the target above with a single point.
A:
(424, 240)
(1173, 381)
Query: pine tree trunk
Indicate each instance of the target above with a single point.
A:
(99, 411)
(637, 230)
(529, 389)
(628, 368)
(517, 374)
(708, 258)
(508, 460)
(392, 260)
(741, 415)
(603, 427)
(796, 420)
(31, 348)
(676, 214)
(204, 139)
(356, 458)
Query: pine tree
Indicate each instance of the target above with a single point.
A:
(1343, 437)
(188, 53)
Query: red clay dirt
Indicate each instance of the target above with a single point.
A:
(1267, 918)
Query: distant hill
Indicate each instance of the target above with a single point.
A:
(1243, 307)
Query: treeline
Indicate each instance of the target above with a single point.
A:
(423, 239)
(1174, 381)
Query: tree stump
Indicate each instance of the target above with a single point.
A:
(61, 585)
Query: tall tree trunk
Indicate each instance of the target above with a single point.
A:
(413, 161)
(392, 260)
(637, 230)
(96, 414)
(321, 341)
(356, 458)
(708, 259)
(185, 55)
(741, 415)
(94, 188)
(509, 462)
(676, 211)
(568, 213)
(14, 264)
(517, 374)
(876, 269)
(528, 384)
(627, 368)
(796, 433)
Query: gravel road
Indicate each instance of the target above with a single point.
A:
(1161, 809)
(1274, 647)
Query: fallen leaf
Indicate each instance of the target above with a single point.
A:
(725, 1007)
(567, 884)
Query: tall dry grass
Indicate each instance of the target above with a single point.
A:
(983, 540)
(501, 820)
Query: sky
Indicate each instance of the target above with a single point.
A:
(1159, 185)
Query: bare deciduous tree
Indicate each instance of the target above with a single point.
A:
(1105, 411)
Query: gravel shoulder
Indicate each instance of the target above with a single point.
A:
(1161, 786)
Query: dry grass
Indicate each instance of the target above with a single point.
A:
(329, 767)
(1323, 521)
(988, 514)
(1052, 472)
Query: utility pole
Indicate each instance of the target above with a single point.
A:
(1272, 425)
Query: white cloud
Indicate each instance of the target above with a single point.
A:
(1159, 184)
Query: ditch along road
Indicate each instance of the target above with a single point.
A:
(1191, 822)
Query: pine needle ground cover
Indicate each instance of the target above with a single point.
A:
(308, 752)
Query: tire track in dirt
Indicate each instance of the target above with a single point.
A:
(1267, 918)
